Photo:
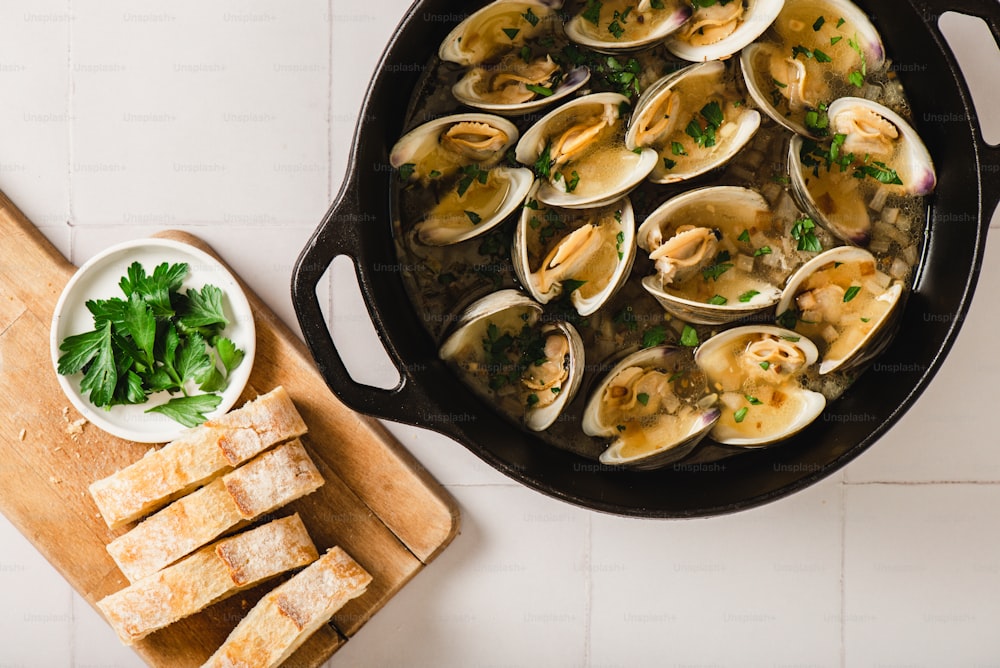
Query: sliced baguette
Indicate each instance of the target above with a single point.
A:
(209, 575)
(196, 457)
(263, 484)
(287, 616)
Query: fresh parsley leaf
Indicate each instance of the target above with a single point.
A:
(406, 171)
(474, 217)
(190, 411)
(748, 296)
(101, 375)
(654, 336)
(204, 309)
(642, 398)
(741, 414)
(851, 293)
(689, 337)
(593, 11)
(718, 300)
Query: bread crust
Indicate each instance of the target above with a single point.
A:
(262, 485)
(209, 575)
(288, 615)
(197, 457)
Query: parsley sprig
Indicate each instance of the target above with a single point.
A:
(155, 339)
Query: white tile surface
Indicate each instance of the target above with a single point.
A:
(228, 120)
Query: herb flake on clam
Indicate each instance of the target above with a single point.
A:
(512, 357)
(455, 187)
(585, 253)
(579, 151)
(694, 119)
(756, 371)
(715, 252)
(652, 407)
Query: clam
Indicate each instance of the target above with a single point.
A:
(844, 304)
(506, 47)
(821, 50)
(580, 151)
(756, 371)
(653, 409)
(719, 30)
(586, 252)
(512, 357)
(621, 25)
(694, 119)
(452, 164)
(711, 249)
(873, 152)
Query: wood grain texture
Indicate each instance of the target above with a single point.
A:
(378, 503)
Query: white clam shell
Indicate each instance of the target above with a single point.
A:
(422, 140)
(746, 122)
(621, 172)
(758, 17)
(510, 309)
(879, 328)
(600, 38)
(452, 48)
(465, 92)
(660, 454)
(738, 209)
(584, 305)
(716, 357)
(762, 84)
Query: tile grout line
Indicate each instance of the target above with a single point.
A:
(588, 588)
(843, 572)
(70, 218)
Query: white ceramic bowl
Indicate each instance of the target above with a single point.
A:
(98, 278)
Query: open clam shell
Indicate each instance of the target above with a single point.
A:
(874, 153)
(844, 304)
(650, 409)
(713, 249)
(579, 149)
(589, 251)
(506, 46)
(816, 52)
(620, 25)
(756, 370)
(720, 30)
(510, 356)
(496, 29)
(453, 161)
(694, 119)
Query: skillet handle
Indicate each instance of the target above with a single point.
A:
(988, 11)
(339, 235)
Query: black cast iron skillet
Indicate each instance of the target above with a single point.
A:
(359, 225)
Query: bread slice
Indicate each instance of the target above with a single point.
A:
(209, 575)
(287, 616)
(260, 486)
(196, 457)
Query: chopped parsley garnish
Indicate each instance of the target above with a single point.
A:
(857, 77)
(748, 296)
(532, 399)
(818, 25)
(619, 240)
(677, 148)
(834, 40)
(616, 29)
(642, 398)
(718, 300)
(744, 236)
(880, 172)
(511, 32)
(530, 17)
(669, 164)
(508, 355)
(741, 414)
(753, 401)
(593, 11)
(543, 166)
(626, 317)
(721, 266)
(544, 91)
(471, 174)
(474, 217)
(572, 182)
(804, 231)
(435, 174)
(763, 250)
(705, 137)
(654, 336)
(765, 365)
(851, 293)
(571, 285)
(406, 171)
(689, 337)
(789, 319)
(841, 21)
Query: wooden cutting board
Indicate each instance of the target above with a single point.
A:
(378, 503)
